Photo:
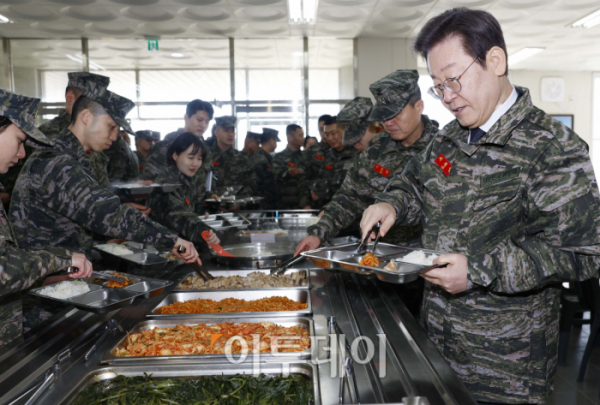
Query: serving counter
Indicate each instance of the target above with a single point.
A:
(356, 318)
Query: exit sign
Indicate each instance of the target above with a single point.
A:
(153, 44)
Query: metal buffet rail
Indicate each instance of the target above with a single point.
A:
(403, 368)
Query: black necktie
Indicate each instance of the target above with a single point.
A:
(476, 134)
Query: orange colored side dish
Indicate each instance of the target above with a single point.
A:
(116, 284)
(369, 260)
(215, 339)
(206, 306)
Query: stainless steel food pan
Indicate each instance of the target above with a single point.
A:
(243, 273)
(298, 295)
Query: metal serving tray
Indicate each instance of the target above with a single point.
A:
(160, 371)
(243, 273)
(140, 257)
(102, 299)
(222, 222)
(344, 258)
(296, 294)
(306, 323)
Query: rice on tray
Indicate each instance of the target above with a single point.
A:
(419, 257)
(65, 289)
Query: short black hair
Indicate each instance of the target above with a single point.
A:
(307, 139)
(323, 117)
(331, 120)
(478, 30)
(291, 129)
(199, 105)
(414, 98)
(84, 103)
(182, 143)
(5, 122)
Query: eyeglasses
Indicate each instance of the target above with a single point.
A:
(452, 85)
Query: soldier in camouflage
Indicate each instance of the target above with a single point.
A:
(20, 269)
(286, 170)
(313, 159)
(229, 166)
(57, 201)
(510, 194)
(123, 164)
(262, 162)
(144, 140)
(197, 117)
(251, 143)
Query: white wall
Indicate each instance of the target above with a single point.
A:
(577, 101)
(378, 57)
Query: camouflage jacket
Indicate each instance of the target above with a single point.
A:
(231, 168)
(99, 161)
(522, 204)
(289, 189)
(141, 160)
(156, 163)
(18, 271)
(262, 163)
(57, 202)
(369, 175)
(178, 210)
(123, 164)
(332, 174)
(313, 159)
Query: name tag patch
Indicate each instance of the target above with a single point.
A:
(443, 164)
(215, 163)
(329, 167)
(381, 170)
(291, 164)
(319, 157)
(499, 177)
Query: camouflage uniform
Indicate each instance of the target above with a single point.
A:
(57, 201)
(311, 163)
(289, 189)
(156, 164)
(153, 136)
(231, 167)
(177, 210)
(19, 269)
(370, 174)
(522, 204)
(123, 164)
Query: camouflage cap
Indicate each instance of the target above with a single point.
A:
(254, 135)
(392, 93)
(116, 106)
(21, 111)
(269, 133)
(88, 81)
(148, 135)
(354, 118)
(226, 121)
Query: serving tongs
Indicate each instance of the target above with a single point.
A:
(198, 268)
(347, 377)
(97, 274)
(376, 229)
(276, 271)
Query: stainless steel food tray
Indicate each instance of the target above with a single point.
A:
(139, 189)
(221, 222)
(243, 273)
(344, 258)
(139, 257)
(102, 299)
(298, 295)
(158, 370)
(306, 323)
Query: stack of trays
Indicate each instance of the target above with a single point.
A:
(101, 299)
(226, 221)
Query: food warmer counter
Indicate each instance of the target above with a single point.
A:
(404, 367)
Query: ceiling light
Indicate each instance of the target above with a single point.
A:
(4, 20)
(303, 11)
(75, 58)
(177, 55)
(522, 55)
(588, 21)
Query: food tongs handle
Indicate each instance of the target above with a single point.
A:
(375, 229)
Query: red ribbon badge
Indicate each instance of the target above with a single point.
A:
(89, 151)
(215, 163)
(319, 157)
(382, 170)
(443, 164)
(141, 167)
(187, 201)
(329, 167)
(291, 164)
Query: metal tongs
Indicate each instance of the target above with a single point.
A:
(97, 274)
(347, 377)
(198, 268)
(285, 265)
(375, 230)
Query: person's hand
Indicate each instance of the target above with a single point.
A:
(213, 239)
(190, 254)
(308, 243)
(5, 198)
(142, 208)
(83, 264)
(145, 182)
(294, 171)
(321, 214)
(216, 197)
(452, 278)
(375, 213)
(314, 196)
(307, 207)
